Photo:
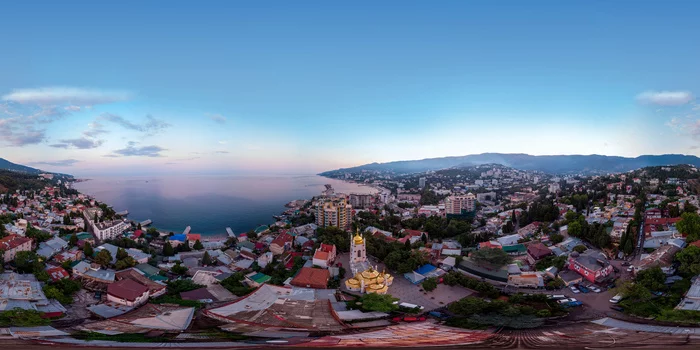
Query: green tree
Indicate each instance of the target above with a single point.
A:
(493, 257)
(556, 238)
(168, 249)
(178, 269)
(689, 225)
(377, 302)
(87, 249)
(73, 240)
(103, 257)
(580, 248)
(125, 263)
(689, 259)
(22, 318)
(429, 284)
(198, 245)
(121, 254)
(28, 262)
(652, 279)
(206, 259)
(234, 284)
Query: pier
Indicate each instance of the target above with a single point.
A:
(123, 213)
(146, 223)
(187, 230)
(230, 232)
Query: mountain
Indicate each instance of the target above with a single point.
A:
(7, 165)
(557, 164)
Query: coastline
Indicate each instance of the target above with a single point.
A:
(272, 209)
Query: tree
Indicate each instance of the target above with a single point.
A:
(28, 262)
(179, 269)
(377, 302)
(494, 257)
(22, 318)
(121, 254)
(689, 225)
(689, 259)
(168, 249)
(73, 240)
(234, 284)
(580, 248)
(468, 306)
(206, 259)
(652, 279)
(198, 245)
(429, 284)
(103, 257)
(125, 263)
(87, 249)
(556, 238)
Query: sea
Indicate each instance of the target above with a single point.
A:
(209, 204)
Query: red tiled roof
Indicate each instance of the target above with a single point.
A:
(57, 273)
(696, 243)
(328, 248)
(321, 255)
(127, 289)
(538, 250)
(13, 241)
(282, 239)
(193, 237)
(309, 277)
(138, 233)
(489, 244)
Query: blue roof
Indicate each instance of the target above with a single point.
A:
(425, 269)
(179, 237)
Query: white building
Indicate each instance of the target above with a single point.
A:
(554, 187)
(456, 204)
(109, 229)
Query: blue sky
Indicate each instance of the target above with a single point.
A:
(306, 86)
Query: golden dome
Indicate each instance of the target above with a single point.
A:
(370, 274)
(353, 281)
(358, 239)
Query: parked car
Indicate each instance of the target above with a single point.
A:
(409, 319)
(583, 289)
(625, 263)
(566, 301)
(617, 308)
(616, 299)
(574, 290)
(631, 268)
(556, 296)
(594, 289)
(573, 304)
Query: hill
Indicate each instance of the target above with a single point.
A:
(556, 164)
(7, 165)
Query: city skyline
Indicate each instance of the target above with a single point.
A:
(313, 86)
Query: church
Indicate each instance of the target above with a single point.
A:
(366, 279)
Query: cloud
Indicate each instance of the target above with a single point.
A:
(665, 98)
(63, 162)
(21, 138)
(132, 150)
(59, 95)
(151, 127)
(94, 129)
(22, 125)
(218, 118)
(79, 143)
(223, 142)
(72, 108)
(222, 152)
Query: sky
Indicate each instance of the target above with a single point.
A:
(149, 87)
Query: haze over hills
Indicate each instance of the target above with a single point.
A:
(7, 165)
(554, 164)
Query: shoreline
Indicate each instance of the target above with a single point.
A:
(222, 235)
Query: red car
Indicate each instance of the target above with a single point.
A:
(409, 319)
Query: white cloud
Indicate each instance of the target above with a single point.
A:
(59, 95)
(665, 98)
(218, 118)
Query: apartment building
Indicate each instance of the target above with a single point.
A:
(460, 204)
(333, 213)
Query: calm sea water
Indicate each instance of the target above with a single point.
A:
(208, 203)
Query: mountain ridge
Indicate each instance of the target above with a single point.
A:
(7, 165)
(554, 164)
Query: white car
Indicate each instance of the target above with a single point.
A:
(574, 290)
(616, 299)
(566, 301)
(594, 288)
(631, 268)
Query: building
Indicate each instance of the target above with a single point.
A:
(310, 277)
(127, 292)
(554, 188)
(361, 201)
(25, 292)
(488, 196)
(461, 205)
(691, 300)
(421, 182)
(109, 229)
(324, 255)
(366, 279)
(537, 251)
(14, 244)
(281, 244)
(592, 265)
(526, 280)
(333, 213)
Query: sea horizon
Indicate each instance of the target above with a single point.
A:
(208, 203)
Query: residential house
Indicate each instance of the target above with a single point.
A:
(51, 247)
(14, 244)
(25, 292)
(73, 254)
(256, 279)
(127, 292)
(324, 255)
(526, 280)
(592, 265)
(309, 277)
(536, 251)
(509, 240)
(691, 300)
(412, 236)
(282, 243)
(662, 257)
